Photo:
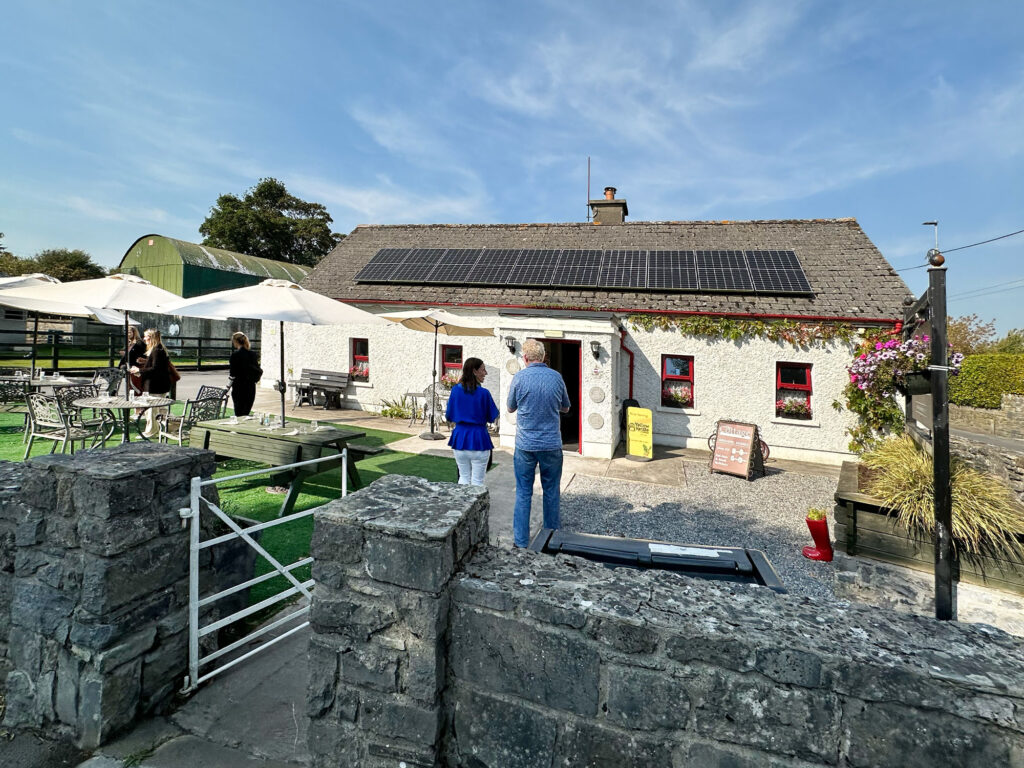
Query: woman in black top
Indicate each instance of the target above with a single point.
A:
(130, 357)
(245, 371)
(156, 377)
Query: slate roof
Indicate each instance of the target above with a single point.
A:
(849, 276)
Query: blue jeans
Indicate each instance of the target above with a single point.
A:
(525, 464)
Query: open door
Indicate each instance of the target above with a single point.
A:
(565, 357)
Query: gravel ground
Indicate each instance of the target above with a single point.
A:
(766, 513)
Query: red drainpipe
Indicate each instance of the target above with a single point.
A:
(628, 351)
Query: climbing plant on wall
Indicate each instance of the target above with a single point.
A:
(738, 329)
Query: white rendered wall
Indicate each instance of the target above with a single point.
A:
(732, 380)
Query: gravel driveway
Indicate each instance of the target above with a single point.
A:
(766, 513)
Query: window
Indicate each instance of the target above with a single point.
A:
(451, 364)
(793, 390)
(676, 381)
(360, 370)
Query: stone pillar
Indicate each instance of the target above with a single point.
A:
(384, 560)
(99, 587)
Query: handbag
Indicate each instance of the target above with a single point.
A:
(173, 373)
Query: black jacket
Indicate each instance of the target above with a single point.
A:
(244, 366)
(156, 374)
(137, 350)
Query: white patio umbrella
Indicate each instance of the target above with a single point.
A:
(98, 296)
(280, 300)
(49, 307)
(439, 322)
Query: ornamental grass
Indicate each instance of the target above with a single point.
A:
(987, 518)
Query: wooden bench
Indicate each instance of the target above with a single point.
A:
(331, 384)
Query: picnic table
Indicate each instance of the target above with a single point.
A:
(246, 439)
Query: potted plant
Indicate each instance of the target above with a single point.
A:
(817, 523)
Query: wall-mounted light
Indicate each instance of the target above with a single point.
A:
(595, 349)
(510, 342)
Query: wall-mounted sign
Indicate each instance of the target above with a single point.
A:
(554, 334)
(921, 410)
(639, 434)
(737, 449)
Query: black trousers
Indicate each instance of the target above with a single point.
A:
(242, 397)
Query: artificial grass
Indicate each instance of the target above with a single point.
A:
(248, 497)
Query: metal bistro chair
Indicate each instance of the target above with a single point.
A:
(109, 379)
(12, 400)
(207, 392)
(434, 401)
(99, 422)
(49, 422)
(177, 428)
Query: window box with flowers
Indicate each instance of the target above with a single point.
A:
(359, 370)
(676, 381)
(793, 390)
(449, 380)
(359, 373)
(793, 408)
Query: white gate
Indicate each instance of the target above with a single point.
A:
(190, 516)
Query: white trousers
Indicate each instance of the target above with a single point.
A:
(472, 466)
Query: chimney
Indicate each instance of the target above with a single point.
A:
(609, 210)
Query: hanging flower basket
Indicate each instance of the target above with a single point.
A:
(916, 384)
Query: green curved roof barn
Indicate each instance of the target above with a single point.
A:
(190, 269)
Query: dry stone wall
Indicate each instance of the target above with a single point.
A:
(94, 586)
(1005, 421)
(515, 659)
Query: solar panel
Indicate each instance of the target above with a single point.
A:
(578, 268)
(454, 265)
(671, 271)
(383, 265)
(723, 271)
(533, 267)
(493, 266)
(623, 269)
(777, 272)
(418, 265)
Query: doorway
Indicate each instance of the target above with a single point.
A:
(565, 357)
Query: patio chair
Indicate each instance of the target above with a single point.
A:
(12, 400)
(109, 380)
(220, 393)
(97, 421)
(435, 399)
(49, 422)
(177, 428)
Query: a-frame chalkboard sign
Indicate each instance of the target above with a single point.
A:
(737, 449)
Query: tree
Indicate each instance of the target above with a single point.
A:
(969, 335)
(272, 224)
(1011, 344)
(66, 265)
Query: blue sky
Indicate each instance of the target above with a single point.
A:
(125, 118)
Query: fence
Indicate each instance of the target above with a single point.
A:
(59, 350)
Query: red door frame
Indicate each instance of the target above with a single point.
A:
(579, 394)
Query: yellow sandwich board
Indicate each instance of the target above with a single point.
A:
(639, 434)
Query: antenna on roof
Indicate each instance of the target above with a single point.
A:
(588, 187)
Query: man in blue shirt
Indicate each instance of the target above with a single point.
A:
(537, 396)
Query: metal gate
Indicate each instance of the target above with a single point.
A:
(190, 516)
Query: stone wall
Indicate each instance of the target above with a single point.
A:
(516, 659)
(94, 586)
(1005, 421)
(1005, 464)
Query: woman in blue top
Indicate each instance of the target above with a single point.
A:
(471, 408)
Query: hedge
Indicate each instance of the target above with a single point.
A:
(984, 379)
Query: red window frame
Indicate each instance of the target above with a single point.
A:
(807, 388)
(447, 367)
(668, 379)
(360, 360)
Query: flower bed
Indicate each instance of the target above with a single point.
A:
(863, 527)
